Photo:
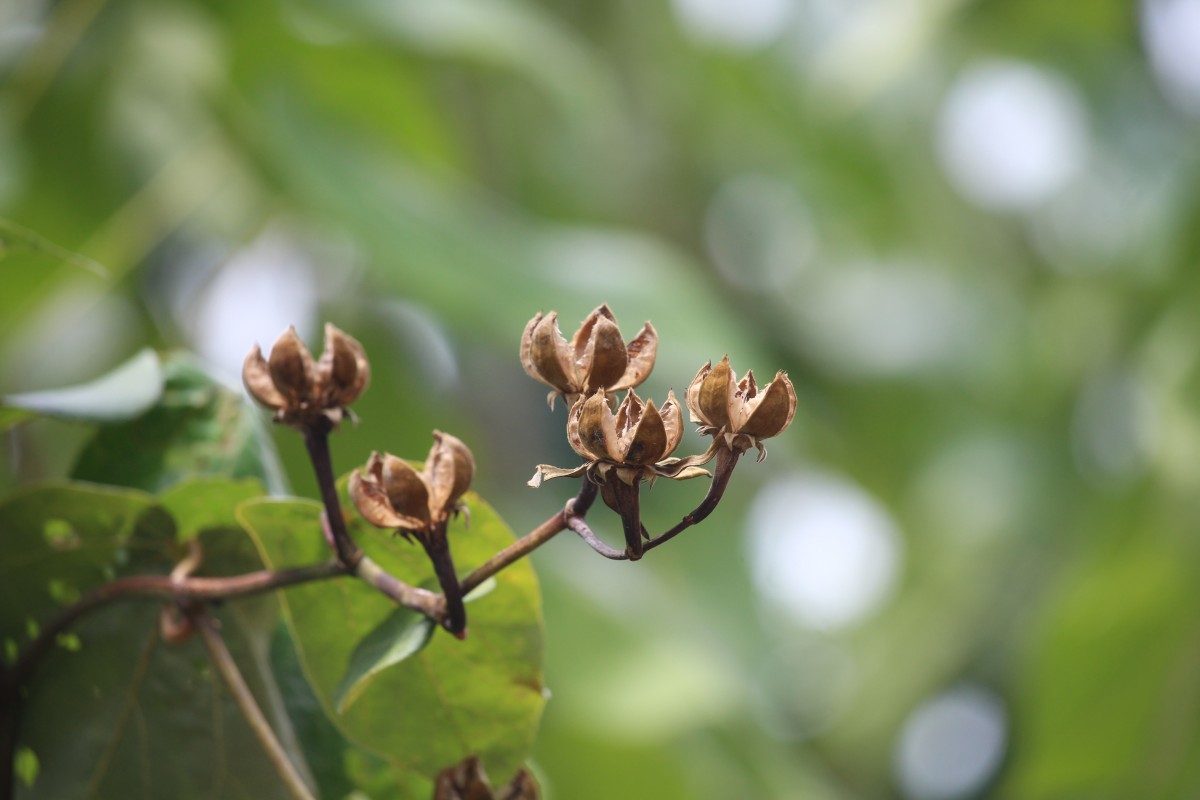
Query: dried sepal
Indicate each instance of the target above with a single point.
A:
(641, 352)
(256, 376)
(448, 472)
(603, 360)
(343, 371)
(292, 368)
(406, 489)
(372, 500)
(771, 410)
(542, 352)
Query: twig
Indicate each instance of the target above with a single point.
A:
(428, 603)
(225, 665)
(575, 507)
(579, 526)
(164, 587)
(726, 461)
(517, 550)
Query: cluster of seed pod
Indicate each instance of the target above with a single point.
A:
(626, 444)
(622, 444)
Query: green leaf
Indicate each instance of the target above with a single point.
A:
(404, 633)
(198, 428)
(207, 503)
(60, 541)
(1105, 707)
(115, 711)
(452, 699)
(124, 393)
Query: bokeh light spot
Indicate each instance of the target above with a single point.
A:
(951, 745)
(1171, 29)
(747, 25)
(1011, 134)
(822, 549)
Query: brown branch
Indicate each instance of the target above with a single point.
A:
(576, 507)
(232, 676)
(163, 587)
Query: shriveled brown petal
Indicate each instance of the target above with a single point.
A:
(604, 359)
(448, 472)
(545, 354)
(680, 471)
(647, 442)
(772, 410)
(372, 502)
(406, 489)
(672, 417)
(595, 433)
(674, 467)
(548, 472)
(256, 376)
(641, 352)
(292, 368)
(714, 395)
(343, 370)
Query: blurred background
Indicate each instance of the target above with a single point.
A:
(966, 228)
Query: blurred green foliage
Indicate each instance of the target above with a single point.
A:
(1011, 385)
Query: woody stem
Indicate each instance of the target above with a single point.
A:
(317, 442)
(628, 501)
(437, 546)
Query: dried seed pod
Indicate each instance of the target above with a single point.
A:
(634, 443)
(389, 493)
(737, 414)
(596, 358)
(304, 394)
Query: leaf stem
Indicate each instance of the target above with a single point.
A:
(232, 676)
